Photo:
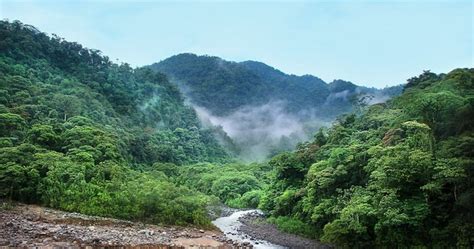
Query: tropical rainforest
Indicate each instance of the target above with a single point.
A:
(81, 133)
(245, 99)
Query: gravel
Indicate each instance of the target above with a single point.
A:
(256, 226)
(34, 226)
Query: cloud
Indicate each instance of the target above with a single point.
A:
(260, 131)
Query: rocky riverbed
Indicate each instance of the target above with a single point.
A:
(34, 226)
(257, 228)
(230, 225)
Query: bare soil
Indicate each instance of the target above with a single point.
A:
(35, 226)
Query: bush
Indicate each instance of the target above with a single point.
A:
(293, 225)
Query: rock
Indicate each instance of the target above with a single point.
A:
(74, 231)
(47, 240)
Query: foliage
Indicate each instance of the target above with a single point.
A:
(223, 86)
(80, 133)
(400, 173)
(292, 225)
(237, 185)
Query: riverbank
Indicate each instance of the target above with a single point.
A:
(35, 226)
(230, 226)
(255, 226)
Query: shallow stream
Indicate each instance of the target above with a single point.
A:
(229, 225)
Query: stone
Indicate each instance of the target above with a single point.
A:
(47, 240)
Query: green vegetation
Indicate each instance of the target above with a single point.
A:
(237, 185)
(293, 225)
(80, 133)
(223, 86)
(399, 173)
(265, 111)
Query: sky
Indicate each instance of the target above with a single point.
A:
(371, 43)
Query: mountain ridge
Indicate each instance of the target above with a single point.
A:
(249, 97)
(202, 75)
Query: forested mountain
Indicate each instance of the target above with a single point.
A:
(255, 104)
(399, 174)
(224, 86)
(73, 125)
(82, 134)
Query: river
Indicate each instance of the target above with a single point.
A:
(229, 225)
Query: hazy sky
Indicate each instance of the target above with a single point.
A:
(374, 43)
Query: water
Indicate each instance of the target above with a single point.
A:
(229, 225)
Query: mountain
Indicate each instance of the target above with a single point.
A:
(224, 86)
(400, 173)
(77, 130)
(256, 104)
(82, 134)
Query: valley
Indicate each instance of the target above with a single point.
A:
(97, 153)
(261, 109)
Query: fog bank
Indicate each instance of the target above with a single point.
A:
(261, 131)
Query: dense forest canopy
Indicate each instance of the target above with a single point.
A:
(264, 110)
(77, 129)
(83, 134)
(223, 86)
(399, 173)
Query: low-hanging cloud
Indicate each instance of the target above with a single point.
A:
(260, 131)
(369, 96)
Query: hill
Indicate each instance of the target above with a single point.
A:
(262, 109)
(82, 134)
(77, 130)
(400, 173)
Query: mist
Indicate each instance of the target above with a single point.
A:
(370, 96)
(262, 131)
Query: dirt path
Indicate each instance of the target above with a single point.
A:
(34, 226)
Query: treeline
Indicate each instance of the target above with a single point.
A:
(225, 91)
(399, 174)
(80, 133)
(224, 86)
(77, 132)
